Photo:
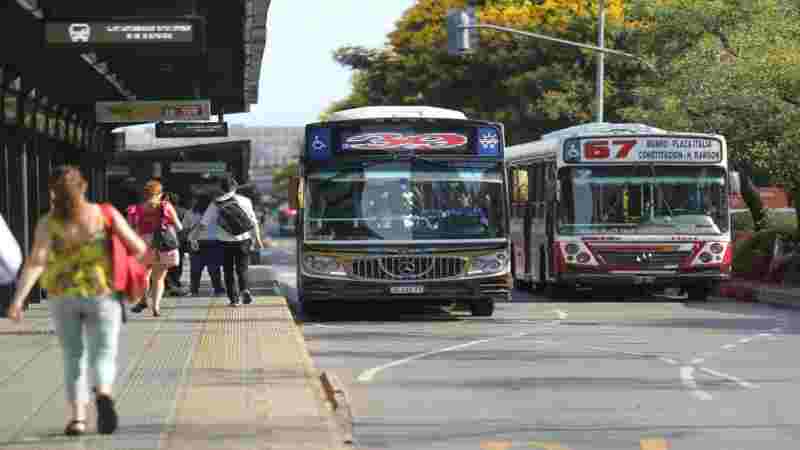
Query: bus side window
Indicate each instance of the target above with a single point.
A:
(521, 185)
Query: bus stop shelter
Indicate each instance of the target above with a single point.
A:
(58, 59)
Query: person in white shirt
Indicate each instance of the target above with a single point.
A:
(235, 248)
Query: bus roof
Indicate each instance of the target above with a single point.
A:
(397, 112)
(603, 128)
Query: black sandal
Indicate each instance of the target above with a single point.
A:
(75, 428)
(106, 414)
(139, 307)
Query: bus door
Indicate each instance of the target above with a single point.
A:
(536, 228)
(519, 222)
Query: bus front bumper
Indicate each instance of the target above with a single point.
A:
(497, 288)
(647, 279)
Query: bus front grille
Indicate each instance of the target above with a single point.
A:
(645, 259)
(399, 268)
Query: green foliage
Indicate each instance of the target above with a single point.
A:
(750, 255)
(280, 180)
(530, 85)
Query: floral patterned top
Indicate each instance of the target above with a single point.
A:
(81, 269)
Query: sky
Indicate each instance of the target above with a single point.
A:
(299, 78)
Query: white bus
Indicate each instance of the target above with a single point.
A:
(402, 204)
(620, 205)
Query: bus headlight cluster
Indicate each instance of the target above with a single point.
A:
(325, 265)
(577, 253)
(496, 262)
(713, 253)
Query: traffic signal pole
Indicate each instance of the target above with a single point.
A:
(459, 42)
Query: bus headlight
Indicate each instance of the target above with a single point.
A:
(324, 265)
(495, 262)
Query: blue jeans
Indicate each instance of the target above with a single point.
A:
(87, 323)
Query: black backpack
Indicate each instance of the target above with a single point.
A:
(233, 218)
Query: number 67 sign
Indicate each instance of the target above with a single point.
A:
(608, 149)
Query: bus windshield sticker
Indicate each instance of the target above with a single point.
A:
(488, 141)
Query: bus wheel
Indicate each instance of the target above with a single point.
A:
(313, 310)
(557, 291)
(698, 294)
(482, 308)
(541, 285)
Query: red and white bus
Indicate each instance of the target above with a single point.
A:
(620, 205)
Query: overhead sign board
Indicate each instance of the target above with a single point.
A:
(215, 167)
(136, 31)
(191, 129)
(152, 111)
(661, 149)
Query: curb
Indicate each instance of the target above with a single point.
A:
(339, 400)
(342, 429)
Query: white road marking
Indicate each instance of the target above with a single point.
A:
(739, 381)
(367, 375)
(687, 378)
(669, 361)
(562, 315)
(729, 346)
(698, 361)
(745, 340)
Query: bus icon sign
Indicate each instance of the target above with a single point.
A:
(79, 32)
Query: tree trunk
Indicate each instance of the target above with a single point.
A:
(751, 197)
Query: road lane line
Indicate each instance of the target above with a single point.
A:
(546, 445)
(698, 361)
(729, 346)
(669, 361)
(653, 444)
(687, 378)
(367, 375)
(739, 381)
(745, 340)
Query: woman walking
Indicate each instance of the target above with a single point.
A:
(148, 217)
(71, 254)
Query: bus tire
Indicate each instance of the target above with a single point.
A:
(557, 291)
(482, 308)
(541, 285)
(313, 309)
(698, 293)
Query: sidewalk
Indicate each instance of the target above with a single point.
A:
(201, 376)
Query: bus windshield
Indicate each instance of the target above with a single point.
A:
(405, 200)
(643, 199)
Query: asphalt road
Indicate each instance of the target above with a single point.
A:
(649, 373)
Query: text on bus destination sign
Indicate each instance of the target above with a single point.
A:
(653, 149)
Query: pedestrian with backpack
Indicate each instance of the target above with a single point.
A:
(237, 232)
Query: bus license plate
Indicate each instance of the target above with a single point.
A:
(407, 289)
(644, 280)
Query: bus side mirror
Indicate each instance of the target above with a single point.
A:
(735, 183)
(294, 193)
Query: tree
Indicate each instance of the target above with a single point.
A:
(532, 86)
(727, 67)
(280, 180)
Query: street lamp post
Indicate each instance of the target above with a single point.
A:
(600, 75)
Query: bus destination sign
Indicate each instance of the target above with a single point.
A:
(112, 32)
(661, 149)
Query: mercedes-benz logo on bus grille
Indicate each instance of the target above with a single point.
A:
(407, 268)
(644, 257)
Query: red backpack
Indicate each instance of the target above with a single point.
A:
(130, 276)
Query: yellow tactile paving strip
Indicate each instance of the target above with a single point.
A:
(251, 385)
